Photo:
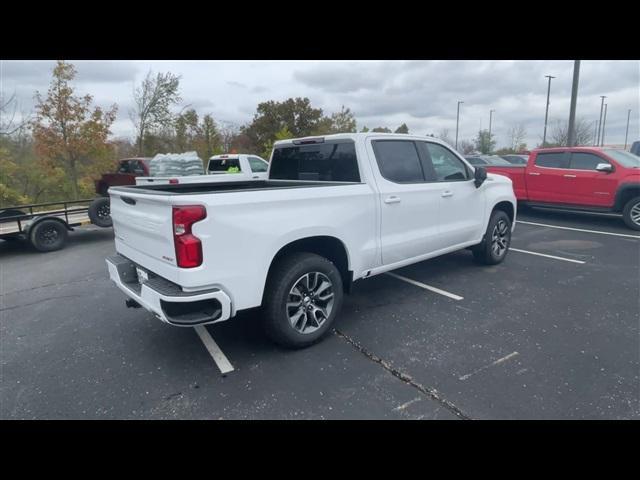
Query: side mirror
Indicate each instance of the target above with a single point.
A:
(604, 167)
(480, 175)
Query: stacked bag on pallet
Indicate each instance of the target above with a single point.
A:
(176, 165)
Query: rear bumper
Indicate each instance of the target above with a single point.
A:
(165, 299)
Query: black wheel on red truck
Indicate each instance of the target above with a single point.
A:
(302, 299)
(48, 235)
(100, 212)
(496, 241)
(631, 213)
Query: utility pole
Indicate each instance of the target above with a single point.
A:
(458, 122)
(490, 118)
(600, 121)
(604, 124)
(626, 134)
(595, 132)
(546, 113)
(574, 101)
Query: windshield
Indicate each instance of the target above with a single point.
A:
(495, 160)
(625, 159)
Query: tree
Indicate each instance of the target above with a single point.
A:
(517, 135)
(300, 118)
(484, 142)
(153, 99)
(343, 121)
(402, 129)
(364, 129)
(559, 133)
(8, 108)
(466, 147)
(67, 131)
(283, 134)
(444, 136)
(381, 130)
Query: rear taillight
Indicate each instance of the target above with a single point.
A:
(173, 181)
(188, 246)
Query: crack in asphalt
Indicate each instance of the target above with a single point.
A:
(430, 392)
(39, 301)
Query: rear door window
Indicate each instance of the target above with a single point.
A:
(398, 161)
(585, 161)
(330, 162)
(552, 160)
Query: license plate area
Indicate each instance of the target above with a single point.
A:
(143, 275)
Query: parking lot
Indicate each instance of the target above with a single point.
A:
(551, 333)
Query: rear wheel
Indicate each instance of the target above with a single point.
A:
(100, 212)
(48, 235)
(631, 213)
(302, 299)
(496, 241)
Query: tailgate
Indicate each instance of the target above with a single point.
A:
(143, 227)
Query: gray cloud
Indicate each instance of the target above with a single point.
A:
(423, 94)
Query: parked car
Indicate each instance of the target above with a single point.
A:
(580, 178)
(334, 210)
(220, 168)
(126, 173)
(515, 159)
(484, 160)
(635, 148)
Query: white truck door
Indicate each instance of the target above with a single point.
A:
(258, 168)
(462, 205)
(408, 204)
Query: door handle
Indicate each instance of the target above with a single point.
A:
(447, 193)
(569, 176)
(256, 176)
(392, 199)
(534, 173)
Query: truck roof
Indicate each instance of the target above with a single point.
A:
(355, 136)
(569, 149)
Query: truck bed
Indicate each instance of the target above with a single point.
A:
(216, 187)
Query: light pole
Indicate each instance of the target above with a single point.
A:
(604, 124)
(600, 121)
(595, 132)
(490, 118)
(626, 134)
(546, 113)
(458, 122)
(574, 100)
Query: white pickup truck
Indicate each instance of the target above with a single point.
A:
(221, 168)
(334, 210)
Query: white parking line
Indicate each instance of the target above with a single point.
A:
(500, 360)
(425, 286)
(548, 256)
(579, 229)
(221, 361)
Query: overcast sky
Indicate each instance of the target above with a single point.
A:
(422, 94)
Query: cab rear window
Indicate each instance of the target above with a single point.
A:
(224, 165)
(331, 162)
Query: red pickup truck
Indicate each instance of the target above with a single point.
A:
(579, 178)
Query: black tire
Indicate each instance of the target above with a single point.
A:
(487, 252)
(100, 212)
(286, 275)
(48, 235)
(632, 207)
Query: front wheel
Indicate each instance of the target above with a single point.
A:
(496, 241)
(631, 213)
(302, 299)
